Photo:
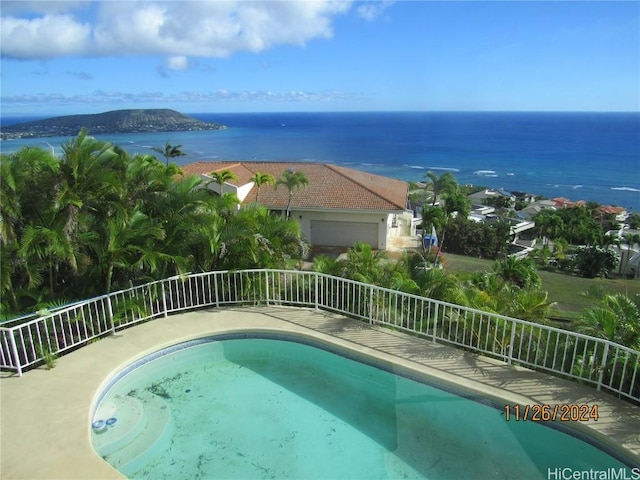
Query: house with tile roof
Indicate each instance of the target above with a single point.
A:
(339, 207)
(619, 213)
(480, 197)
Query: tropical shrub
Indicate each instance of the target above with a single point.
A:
(484, 240)
(578, 225)
(616, 318)
(521, 272)
(102, 220)
(594, 261)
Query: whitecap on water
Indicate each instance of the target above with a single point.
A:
(485, 173)
(448, 169)
(627, 189)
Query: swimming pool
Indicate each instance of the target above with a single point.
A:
(247, 406)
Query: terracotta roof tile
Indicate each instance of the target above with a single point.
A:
(610, 209)
(330, 186)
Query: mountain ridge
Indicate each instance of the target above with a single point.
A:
(114, 121)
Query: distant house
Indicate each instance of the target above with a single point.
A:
(562, 202)
(629, 252)
(524, 197)
(619, 213)
(339, 207)
(535, 208)
(479, 212)
(481, 197)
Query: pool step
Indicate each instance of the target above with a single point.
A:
(138, 445)
(129, 412)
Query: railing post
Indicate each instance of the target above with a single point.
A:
(511, 341)
(371, 322)
(602, 365)
(215, 289)
(266, 276)
(14, 348)
(110, 311)
(164, 299)
(435, 322)
(317, 282)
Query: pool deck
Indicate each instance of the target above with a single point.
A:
(45, 415)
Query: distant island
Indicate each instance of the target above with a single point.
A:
(116, 121)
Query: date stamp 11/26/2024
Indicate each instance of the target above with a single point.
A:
(568, 412)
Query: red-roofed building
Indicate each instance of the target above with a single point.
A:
(339, 207)
(619, 213)
(562, 202)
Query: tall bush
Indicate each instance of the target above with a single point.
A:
(593, 261)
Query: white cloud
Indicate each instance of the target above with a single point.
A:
(177, 63)
(175, 29)
(372, 9)
(43, 37)
(219, 96)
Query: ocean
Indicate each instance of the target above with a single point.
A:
(580, 156)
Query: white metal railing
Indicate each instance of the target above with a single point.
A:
(604, 364)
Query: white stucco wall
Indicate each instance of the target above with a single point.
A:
(241, 192)
(244, 190)
(382, 220)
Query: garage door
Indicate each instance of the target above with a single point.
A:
(343, 234)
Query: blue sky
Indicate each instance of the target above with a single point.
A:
(239, 56)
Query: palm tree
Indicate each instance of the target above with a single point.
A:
(92, 174)
(279, 240)
(455, 201)
(260, 179)
(147, 179)
(439, 185)
(433, 218)
(529, 304)
(617, 319)
(75, 192)
(445, 186)
(24, 172)
(126, 245)
(170, 151)
(292, 180)
(48, 245)
(549, 226)
(366, 265)
(440, 285)
(182, 210)
(223, 176)
(521, 272)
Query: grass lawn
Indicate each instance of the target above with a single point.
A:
(566, 290)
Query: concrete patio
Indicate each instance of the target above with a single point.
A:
(46, 414)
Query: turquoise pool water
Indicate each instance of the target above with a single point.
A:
(272, 408)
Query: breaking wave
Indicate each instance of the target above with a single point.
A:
(448, 169)
(485, 173)
(626, 189)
